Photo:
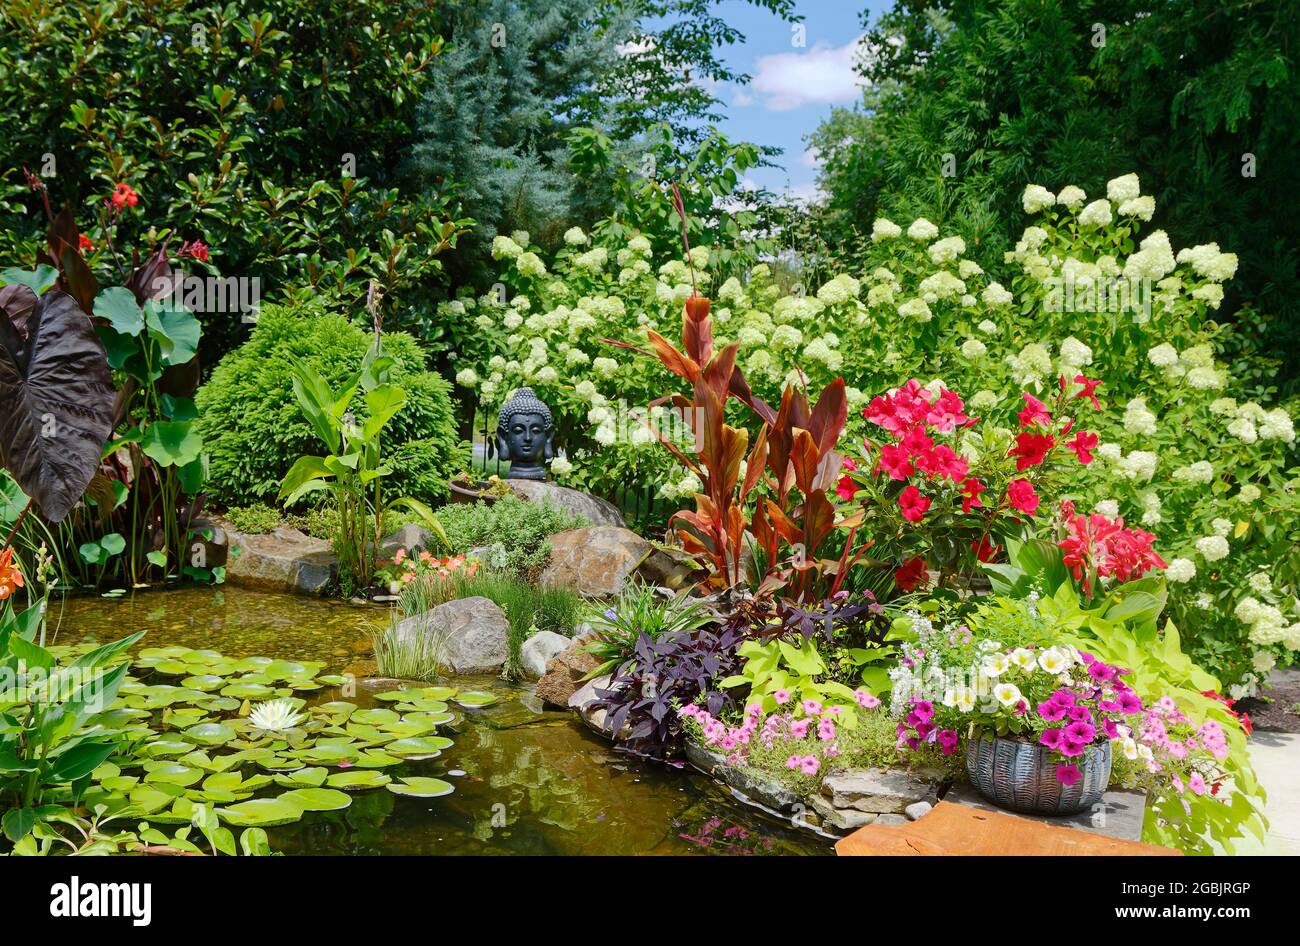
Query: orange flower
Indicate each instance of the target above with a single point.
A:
(10, 577)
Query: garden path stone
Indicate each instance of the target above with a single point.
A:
(470, 634)
(283, 560)
(596, 561)
(597, 511)
(538, 650)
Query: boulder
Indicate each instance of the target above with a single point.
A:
(470, 634)
(878, 790)
(409, 537)
(597, 511)
(283, 560)
(564, 672)
(581, 701)
(595, 561)
(538, 650)
(918, 809)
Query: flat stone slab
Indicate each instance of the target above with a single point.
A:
(283, 560)
(1119, 814)
(878, 791)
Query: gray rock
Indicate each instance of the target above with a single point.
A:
(597, 561)
(538, 650)
(469, 635)
(917, 810)
(753, 785)
(283, 560)
(409, 537)
(890, 819)
(595, 717)
(877, 790)
(837, 819)
(597, 511)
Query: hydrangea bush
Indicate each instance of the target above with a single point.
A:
(1195, 452)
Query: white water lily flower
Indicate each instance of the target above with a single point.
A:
(275, 716)
(1008, 694)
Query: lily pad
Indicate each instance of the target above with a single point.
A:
(261, 812)
(418, 747)
(303, 778)
(475, 698)
(421, 787)
(211, 734)
(353, 780)
(317, 799)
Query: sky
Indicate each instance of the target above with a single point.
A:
(793, 87)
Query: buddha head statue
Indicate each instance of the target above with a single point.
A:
(525, 435)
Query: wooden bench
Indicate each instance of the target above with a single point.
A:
(963, 830)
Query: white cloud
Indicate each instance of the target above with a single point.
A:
(807, 193)
(821, 75)
(812, 158)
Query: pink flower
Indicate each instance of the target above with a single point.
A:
(782, 697)
(809, 765)
(812, 707)
(690, 709)
(1035, 412)
(1050, 737)
(846, 489)
(1068, 774)
(1083, 444)
(794, 762)
(914, 504)
(865, 699)
(826, 730)
(799, 728)
(947, 739)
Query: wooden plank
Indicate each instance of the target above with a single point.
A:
(950, 829)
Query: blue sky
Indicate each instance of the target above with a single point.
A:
(793, 88)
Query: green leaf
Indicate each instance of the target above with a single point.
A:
(18, 823)
(381, 404)
(307, 474)
(175, 330)
(38, 280)
(117, 305)
(172, 443)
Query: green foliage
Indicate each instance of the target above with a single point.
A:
(783, 672)
(354, 467)
(1200, 94)
(639, 609)
(257, 519)
(254, 431)
(514, 530)
(264, 128)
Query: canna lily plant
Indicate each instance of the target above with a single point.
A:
(354, 468)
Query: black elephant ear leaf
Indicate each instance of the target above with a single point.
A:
(58, 405)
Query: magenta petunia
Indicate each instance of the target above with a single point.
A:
(1068, 774)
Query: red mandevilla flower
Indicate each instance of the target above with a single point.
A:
(1089, 390)
(846, 488)
(1031, 449)
(970, 491)
(985, 551)
(84, 244)
(1021, 496)
(1035, 412)
(124, 195)
(913, 503)
(910, 574)
(197, 250)
(1083, 444)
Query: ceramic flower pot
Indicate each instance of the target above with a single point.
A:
(1021, 776)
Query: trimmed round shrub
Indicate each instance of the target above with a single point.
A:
(253, 429)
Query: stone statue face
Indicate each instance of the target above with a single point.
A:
(526, 443)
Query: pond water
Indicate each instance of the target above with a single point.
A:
(527, 782)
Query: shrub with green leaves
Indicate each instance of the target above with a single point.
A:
(514, 530)
(253, 428)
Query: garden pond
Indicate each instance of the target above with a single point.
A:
(526, 781)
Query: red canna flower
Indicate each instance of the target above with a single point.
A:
(197, 250)
(985, 550)
(84, 244)
(11, 579)
(124, 195)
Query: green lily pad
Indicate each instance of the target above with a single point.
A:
(302, 778)
(204, 682)
(317, 799)
(375, 717)
(173, 774)
(247, 691)
(421, 787)
(376, 759)
(211, 734)
(353, 780)
(261, 812)
(475, 698)
(418, 747)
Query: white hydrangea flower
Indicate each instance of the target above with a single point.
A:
(1212, 547)
(885, 229)
(639, 245)
(1071, 197)
(968, 268)
(585, 390)
(1154, 259)
(1243, 428)
(593, 260)
(1032, 363)
(973, 349)
(505, 248)
(1139, 465)
(1141, 207)
(1138, 419)
(995, 295)
(575, 237)
(560, 466)
(917, 309)
(530, 264)
(699, 256)
(1202, 471)
(1108, 508)
(922, 229)
(1260, 583)
(1181, 570)
(983, 400)
(1221, 526)
(1074, 354)
(1205, 379)
(547, 375)
(940, 285)
(839, 290)
(1037, 198)
(947, 249)
(1163, 355)
(467, 377)
(1277, 425)
(1096, 214)
(1123, 188)
(988, 327)
(1249, 493)
(605, 367)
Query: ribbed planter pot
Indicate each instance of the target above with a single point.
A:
(1021, 776)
